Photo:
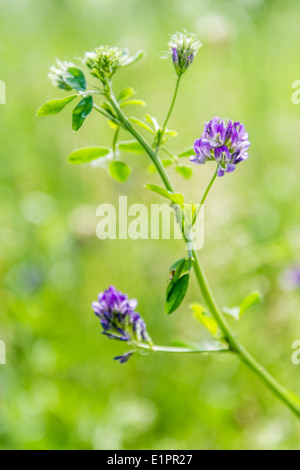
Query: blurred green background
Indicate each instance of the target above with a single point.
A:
(60, 388)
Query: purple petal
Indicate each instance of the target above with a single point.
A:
(220, 171)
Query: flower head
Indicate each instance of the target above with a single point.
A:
(119, 319)
(57, 74)
(183, 47)
(225, 142)
(104, 61)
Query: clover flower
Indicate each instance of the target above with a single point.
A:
(225, 142)
(57, 74)
(183, 47)
(119, 319)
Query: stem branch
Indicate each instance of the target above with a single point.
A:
(286, 397)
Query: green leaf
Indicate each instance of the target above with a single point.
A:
(137, 102)
(141, 124)
(176, 292)
(153, 121)
(133, 59)
(187, 153)
(184, 171)
(87, 154)
(125, 93)
(108, 108)
(171, 132)
(176, 198)
(182, 264)
(249, 301)
(120, 171)
(74, 77)
(209, 322)
(131, 146)
(81, 111)
(165, 162)
(54, 106)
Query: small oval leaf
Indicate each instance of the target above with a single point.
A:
(125, 93)
(54, 106)
(81, 111)
(184, 171)
(176, 198)
(75, 78)
(249, 301)
(131, 146)
(209, 322)
(187, 153)
(141, 124)
(118, 170)
(136, 102)
(176, 293)
(87, 154)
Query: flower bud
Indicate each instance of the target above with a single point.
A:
(183, 47)
(57, 73)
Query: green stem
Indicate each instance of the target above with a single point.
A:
(286, 397)
(169, 114)
(114, 142)
(170, 349)
(205, 196)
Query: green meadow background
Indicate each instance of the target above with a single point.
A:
(60, 388)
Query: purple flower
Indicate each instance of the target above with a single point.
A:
(225, 142)
(124, 358)
(119, 319)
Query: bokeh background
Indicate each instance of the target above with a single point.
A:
(60, 388)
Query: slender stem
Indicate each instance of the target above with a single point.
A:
(169, 114)
(205, 196)
(156, 161)
(284, 395)
(170, 349)
(114, 142)
(208, 188)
